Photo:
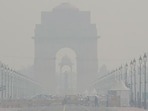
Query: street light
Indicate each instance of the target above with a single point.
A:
(5, 79)
(126, 66)
(145, 60)
(131, 65)
(8, 82)
(120, 73)
(119, 77)
(140, 62)
(134, 64)
(11, 83)
(116, 74)
(2, 82)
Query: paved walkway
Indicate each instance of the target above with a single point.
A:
(88, 109)
(9, 109)
(127, 109)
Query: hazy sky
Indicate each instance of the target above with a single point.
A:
(122, 26)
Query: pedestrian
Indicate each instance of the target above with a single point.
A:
(87, 100)
(96, 101)
(64, 100)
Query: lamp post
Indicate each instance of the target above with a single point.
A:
(2, 82)
(140, 62)
(119, 78)
(131, 64)
(126, 66)
(135, 91)
(11, 83)
(116, 76)
(5, 79)
(120, 73)
(145, 60)
(8, 82)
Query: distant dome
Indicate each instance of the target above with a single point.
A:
(64, 6)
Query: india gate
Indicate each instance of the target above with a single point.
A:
(66, 60)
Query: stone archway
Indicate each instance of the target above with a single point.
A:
(65, 28)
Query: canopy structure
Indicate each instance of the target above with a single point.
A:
(119, 95)
(120, 86)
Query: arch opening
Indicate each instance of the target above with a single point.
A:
(66, 71)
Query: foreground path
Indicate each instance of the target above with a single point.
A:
(73, 108)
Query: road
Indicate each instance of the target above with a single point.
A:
(60, 108)
(74, 108)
